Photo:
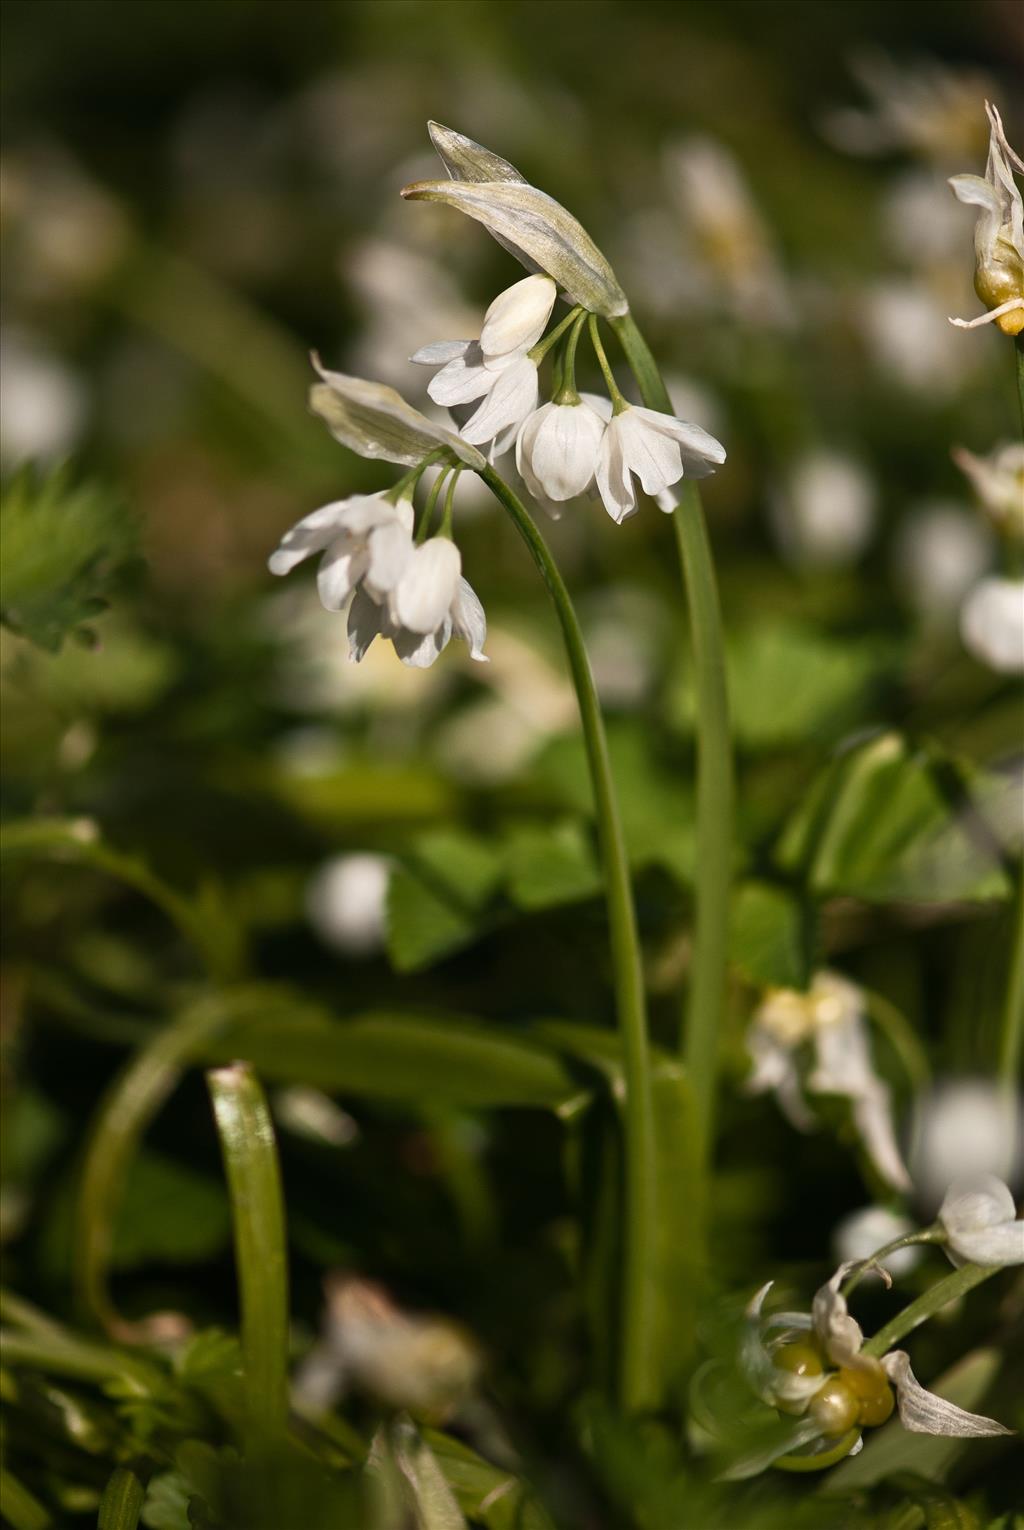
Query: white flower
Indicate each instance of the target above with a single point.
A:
(557, 447)
(998, 233)
(347, 902)
(425, 1364)
(998, 481)
(658, 449)
(992, 624)
(830, 1017)
(940, 551)
(352, 534)
(419, 602)
(813, 1365)
(42, 403)
(825, 516)
(981, 1224)
(518, 317)
(862, 1233)
(965, 1127)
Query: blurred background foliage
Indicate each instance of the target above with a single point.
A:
(193, 197)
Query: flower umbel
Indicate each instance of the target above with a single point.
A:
(998, 233)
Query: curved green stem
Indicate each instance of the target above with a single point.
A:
(940, 1295)
(715, 790)
(638, 1370)
(566, 392)
(542, 347)
(619, 402)
(934, 1234)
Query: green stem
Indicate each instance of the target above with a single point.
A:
(410, 479)
(619, 402)
(566, 392)
(1013, 1013)
(542, 347)
(67, 1355)
(940, 1295)
(715, 788)
(22, 1510)
(869, 1266)
(449, 504)
(638, 1362)
(429, 507)
(254, 1181)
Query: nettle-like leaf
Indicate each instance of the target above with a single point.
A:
(62, 546)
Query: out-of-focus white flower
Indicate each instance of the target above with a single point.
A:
(939, 553)
(731, 237)
(657, 449)
(917, 105)
(921, 224)
(992, 624)
(904, 322)
(965, 1127)
(557, 447)
(813, 1365)
(998, 481)
(346, 902)
(421, 1363)
(830, 1017)
(981, 1223)
(864, 1232)
(394, 287)
(998, 233)
(42, 402)
(312, 1114)
(825, 514)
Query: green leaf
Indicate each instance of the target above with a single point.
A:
(122, 1501)
(169, 1213)
(167, 1501)
(887, 821)
(61, 546)
(486, 1493)
(551, 863)
(771, 936)
(435, 900)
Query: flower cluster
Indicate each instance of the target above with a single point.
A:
(403, 580)
(998, 233)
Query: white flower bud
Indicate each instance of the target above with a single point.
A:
(981, 1224)
(518, 317)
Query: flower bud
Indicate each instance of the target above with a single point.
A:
(517, 318)
(998, 233)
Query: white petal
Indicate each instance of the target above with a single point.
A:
(518, 316)
(365, 620)
(980, 1221)
(614, 483)
(441, 352)
(468, 619)
(462, 380)
(844, 1066)
(923, 1413)
(838, 1333)
(422, 598)
(512, 397)
(341, 568)
(421, 649)
(310, 535)
(564, 449)
(650, 453)
(389, 550)
(600, 403)
(700, 451)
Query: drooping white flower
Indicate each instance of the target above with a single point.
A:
(998, 481)
(419, 602)
(557, 447)
(998, 233)
(965, 1127)
(830, 1018)
(352, 534)
(981, 1223)
(346, 902)
(992, 624)
(657, 449)
(862, 1233)
(813, 1365)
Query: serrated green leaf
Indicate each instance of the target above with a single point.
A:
(61, 546)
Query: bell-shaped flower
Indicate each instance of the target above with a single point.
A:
(352, 534)
(814, 1366)
(981, 1223)
(376, 422)
(418, 600)
(992, 624)
(829, 1021)
(998, 233)
(558, 447)
(527, 222)
(998, 481)
(657, 449)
